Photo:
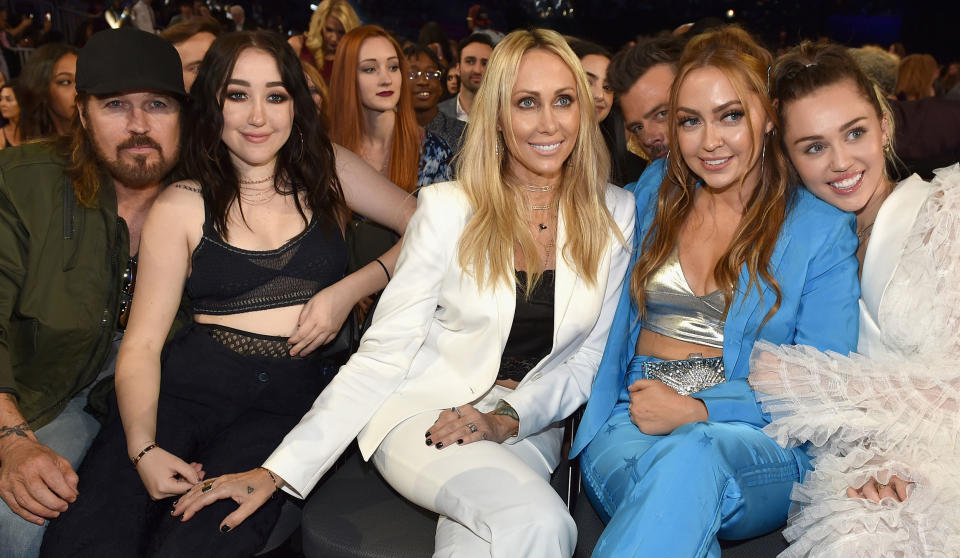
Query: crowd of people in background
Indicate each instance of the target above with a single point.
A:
(676, 235)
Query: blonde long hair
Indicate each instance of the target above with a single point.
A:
(342, 11)
(745, 63)
(500, 209)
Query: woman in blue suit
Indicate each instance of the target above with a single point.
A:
(673, 454)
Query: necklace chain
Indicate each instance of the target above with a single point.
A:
(532, 188)
(263, 180)
(864, 232)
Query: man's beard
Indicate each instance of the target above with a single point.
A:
(136, 173)
(658, 150)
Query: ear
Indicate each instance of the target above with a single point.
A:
(83, 120)
(885, 129)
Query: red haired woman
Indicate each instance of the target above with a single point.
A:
(371, 111)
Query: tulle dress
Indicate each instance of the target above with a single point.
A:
(893, 408)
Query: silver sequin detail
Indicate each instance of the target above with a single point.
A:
(686, 376)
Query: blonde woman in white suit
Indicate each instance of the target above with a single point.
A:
(492, 329)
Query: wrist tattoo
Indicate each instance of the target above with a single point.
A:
(17, 430)
(504, 408)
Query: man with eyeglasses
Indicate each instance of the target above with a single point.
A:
(71, 212)
(427, 84)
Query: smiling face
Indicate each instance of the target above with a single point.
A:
(835, 140)
(426, 83)
(595, 65)
(136, 135)
(714, 137)
(645, 109)
(378, 75)
(544, 119)
(257, 113)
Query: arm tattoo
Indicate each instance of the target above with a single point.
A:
(504, 408)
(18, 430)
(250, 490)
(188, 187)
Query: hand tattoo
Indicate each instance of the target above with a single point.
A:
(504, 408)
(250, 490)
(18, 430)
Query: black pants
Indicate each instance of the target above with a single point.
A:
(216, 407)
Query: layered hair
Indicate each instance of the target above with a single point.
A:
(809, 66)
(345, 112)
(499, 221)
(733, 52)
(916, 76)
(629, 65)
(342, 11)
(33, 93)
(306, 163)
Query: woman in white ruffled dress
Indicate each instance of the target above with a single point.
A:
(883, 425)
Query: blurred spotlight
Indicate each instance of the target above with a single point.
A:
(730, 14)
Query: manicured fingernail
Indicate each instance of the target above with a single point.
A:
(429, 442)
(460, 441)
(225, 529)
(439, 445)
(175, 502)
(427, 434)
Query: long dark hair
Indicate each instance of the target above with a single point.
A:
(306, 161)
(34, 91)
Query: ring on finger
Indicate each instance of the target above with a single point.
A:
(473, 428)
(881, 486)
(206, 487)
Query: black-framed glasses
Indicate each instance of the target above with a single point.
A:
(426, 75)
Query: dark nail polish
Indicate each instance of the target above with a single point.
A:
(439, 445)
(225, 529)
(427, 434)
(429, 442)
(460, 442)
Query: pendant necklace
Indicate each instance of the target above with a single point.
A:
(256, 196)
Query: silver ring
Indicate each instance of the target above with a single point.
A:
(483, 435)
(473, 427)
(456, 410)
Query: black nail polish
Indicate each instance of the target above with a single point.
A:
(429, 442)
(439, 445)
(427, 434)
(460, 442)
(225, 529)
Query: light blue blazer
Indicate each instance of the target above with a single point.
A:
(815, 265)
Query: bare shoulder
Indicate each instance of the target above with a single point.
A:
(179, 203)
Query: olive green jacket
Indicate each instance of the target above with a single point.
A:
(61, 267)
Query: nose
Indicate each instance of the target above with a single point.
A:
(548, 121)
(256, 116)
(137, 122)
(840, 161)
(386, 77)
(712, 138)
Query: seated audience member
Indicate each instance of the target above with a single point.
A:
(192, 38)
(479, 22)
(491, 331)
(474, 53)
(916, 76)
(883, 423)
(371, 111)
(624, 166)
(318, 91)
(452, 83)
(72, 212)
(10, 132)
(641, 76)
(48, 91)
(673, 451)
(427, 78)
(329, 23)
(257, 238)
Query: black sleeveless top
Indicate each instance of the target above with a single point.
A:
(531, 335)
(229, 280)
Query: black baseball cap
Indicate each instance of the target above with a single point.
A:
(118, 60)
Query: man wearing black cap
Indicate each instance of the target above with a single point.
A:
(71, 211)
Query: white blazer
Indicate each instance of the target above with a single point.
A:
(437, 338)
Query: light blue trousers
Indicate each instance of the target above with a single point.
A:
(673, 495)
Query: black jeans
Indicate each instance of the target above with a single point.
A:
(224, 410)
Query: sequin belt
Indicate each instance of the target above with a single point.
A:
(688, 375)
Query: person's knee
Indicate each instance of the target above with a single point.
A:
(21, 539)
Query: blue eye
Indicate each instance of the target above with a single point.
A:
(277, 98)
(856, 133)
(236, 96)
(689, 122)
(526, 102)
(814, 148)
(564, 101)
(733, 116)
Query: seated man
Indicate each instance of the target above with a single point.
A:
(71, 211)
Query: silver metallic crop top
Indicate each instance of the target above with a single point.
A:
(673, 310)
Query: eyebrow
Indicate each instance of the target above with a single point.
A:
(593, 75)
(655, 110)
(374, 59)
(247, 83)
(531, 92)
(842, 128)
(63, 74)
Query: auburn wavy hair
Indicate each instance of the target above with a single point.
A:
(500, 207)
(745, 63)
(348, 124)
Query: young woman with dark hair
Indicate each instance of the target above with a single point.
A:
(256, 239)
(12, 130)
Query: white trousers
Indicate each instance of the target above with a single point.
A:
(495, 500)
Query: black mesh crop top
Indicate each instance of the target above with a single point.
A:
(229, 280)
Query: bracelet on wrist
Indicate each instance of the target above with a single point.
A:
(136, 460)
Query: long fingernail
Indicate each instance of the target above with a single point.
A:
(429, 442)
(460, 442)
(439, 445)
(225, 529)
